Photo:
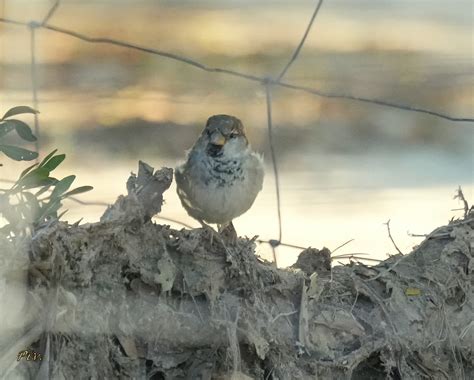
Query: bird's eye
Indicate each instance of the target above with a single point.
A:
(233, 135)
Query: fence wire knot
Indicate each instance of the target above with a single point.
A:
(34, 24)
(274, 243)
(268, 80)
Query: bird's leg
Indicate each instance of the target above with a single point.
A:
(215, 234)
(209, 229)
(228, 232)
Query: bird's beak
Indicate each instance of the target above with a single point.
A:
(217, 139)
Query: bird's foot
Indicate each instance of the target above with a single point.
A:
(209, 231)
(228, 233)
(213, 234)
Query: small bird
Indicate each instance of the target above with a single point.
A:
(221, 176)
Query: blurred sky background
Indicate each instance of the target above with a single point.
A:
(345, 167)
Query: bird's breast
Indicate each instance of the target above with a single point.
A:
(224, 189)
(224, 174)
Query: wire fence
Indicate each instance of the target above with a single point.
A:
(268, 82)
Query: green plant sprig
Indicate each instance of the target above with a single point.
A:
(36, 196)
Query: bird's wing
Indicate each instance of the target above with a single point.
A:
(256, 170)
(185, 193)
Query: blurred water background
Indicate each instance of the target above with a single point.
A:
(345, 167)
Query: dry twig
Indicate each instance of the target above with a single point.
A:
(391, 238)
(460, 195)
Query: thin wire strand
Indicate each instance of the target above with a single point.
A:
(174, 221)
(91, 203)
(260, 241)
(379, 102)
(51, 12)
(303, 40)
(273, 156)
(342, 245)
(355, 256)
(161, 53)
(34, 86)
(250, 77)
(97, 203)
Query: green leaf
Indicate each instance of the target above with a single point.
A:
(48, 157)
(54, 162)
(412, 292)
(6, 230)
(53, 211)
(46, 187)
(34, 178)
(32, 204)
(31, 199)
(17, 111)
(62, 214)
(24, 172)
(12, 215)
(5, 128)
(50, 209)
(17, 153)
(23, 130)
(77, 190)
(44, 182)
(62, 186)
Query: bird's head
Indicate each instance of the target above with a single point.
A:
(224, 135)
